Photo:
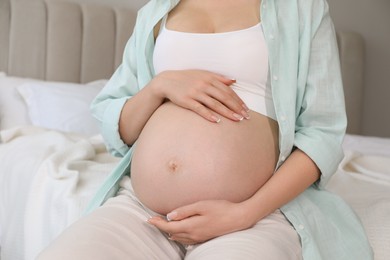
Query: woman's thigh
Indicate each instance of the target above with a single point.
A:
(272, 238)
(117, 230)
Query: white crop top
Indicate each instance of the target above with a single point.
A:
(241, 55)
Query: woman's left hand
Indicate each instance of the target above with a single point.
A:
(202, 221)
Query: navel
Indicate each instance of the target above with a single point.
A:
(173, 166)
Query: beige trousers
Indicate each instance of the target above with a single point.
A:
(118, 230)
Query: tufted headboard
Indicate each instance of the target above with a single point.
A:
(83, 40)
(64, 40)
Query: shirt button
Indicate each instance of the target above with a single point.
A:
(275, 77)
(264, 6)
(301, 227)
(283, 158)
(271, 37)
(282, 118)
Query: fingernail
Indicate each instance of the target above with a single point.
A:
(216, 119)
(171, 216)
(245, 114)
(239, 117)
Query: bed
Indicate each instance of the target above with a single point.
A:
(55, 56)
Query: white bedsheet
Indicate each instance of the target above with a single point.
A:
(367, 145)
(48, 177)
(46, 180)
(363, 181)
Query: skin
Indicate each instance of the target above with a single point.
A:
(210, 96)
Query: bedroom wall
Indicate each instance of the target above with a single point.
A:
(372, 20)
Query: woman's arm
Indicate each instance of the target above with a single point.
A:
(136, 112)
(295, 175)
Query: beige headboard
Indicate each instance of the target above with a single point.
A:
(83, 40)
(64, 40)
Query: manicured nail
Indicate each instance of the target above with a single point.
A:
(171, 216)
(245, 114)
(239, 117)
(216, 119)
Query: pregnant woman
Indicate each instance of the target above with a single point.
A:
(229, 116)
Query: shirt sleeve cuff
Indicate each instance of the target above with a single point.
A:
(326, 157)
(110, 128)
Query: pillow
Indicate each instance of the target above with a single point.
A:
(13, 110)
(62, 106)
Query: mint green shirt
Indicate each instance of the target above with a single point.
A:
(304, 75)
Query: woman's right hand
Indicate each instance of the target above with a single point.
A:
(206, 93)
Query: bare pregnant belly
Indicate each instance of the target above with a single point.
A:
(181, 158)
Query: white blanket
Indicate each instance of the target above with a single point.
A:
(48, 177)
(363, 181)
